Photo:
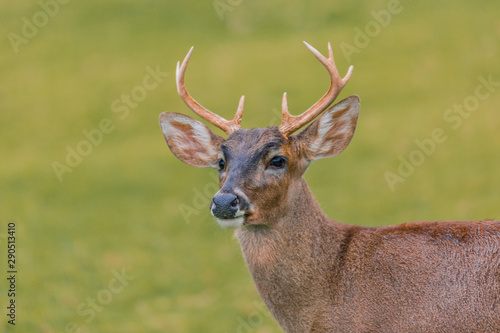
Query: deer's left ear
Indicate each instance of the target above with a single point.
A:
(190, 140)
(330, 134)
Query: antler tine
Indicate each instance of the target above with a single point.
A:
(289, 123)
(225, 125)
(239, 112)
(284, 110)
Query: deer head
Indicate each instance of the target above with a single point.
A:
(260, 168)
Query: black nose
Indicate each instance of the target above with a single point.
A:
(225, 206)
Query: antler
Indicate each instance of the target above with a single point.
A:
(289, 123)
(225, 125)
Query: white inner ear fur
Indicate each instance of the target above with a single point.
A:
(322, 146)
(199, 137)
(325, 123)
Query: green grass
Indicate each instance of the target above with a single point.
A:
(120, 207)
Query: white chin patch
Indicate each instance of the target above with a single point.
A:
(231, 223)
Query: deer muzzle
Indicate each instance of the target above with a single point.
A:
(229, 209)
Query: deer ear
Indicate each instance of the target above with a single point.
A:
(190, 140)
(330, 134)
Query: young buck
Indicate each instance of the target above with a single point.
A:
(315, 274)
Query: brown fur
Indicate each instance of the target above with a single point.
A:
(317, 275)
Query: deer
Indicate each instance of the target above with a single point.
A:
(319, 275)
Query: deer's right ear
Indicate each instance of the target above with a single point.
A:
(190, 140)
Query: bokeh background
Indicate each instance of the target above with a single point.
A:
(120, 239)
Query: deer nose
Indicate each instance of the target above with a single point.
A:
(224, 206)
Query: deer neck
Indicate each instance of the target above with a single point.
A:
(290, 260)
(296, 230)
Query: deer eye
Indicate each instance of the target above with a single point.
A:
(278, 162)
(222, 164)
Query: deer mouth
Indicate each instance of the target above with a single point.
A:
(235, 222)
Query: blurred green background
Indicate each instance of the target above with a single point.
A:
(125, 206)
